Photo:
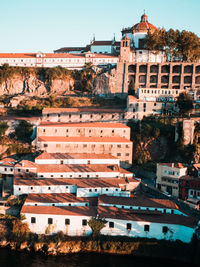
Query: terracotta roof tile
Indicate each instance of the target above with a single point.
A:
(84, 125)
(53, 198)
(86, 168)
(146, 216)
(61, 210)
(82, 182)
(82, 110)
(10, 162)
(139, 201)
(83, 139)
(46, 155)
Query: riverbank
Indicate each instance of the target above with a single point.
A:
(139, 247)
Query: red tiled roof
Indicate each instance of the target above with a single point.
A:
(139, 201)
(143, 26)
(84, 124)
(85, 168)
(145, 216)
(83, 139)
(81, 183)
(174, 165)
(53, 198)
(82, 110)
(10, 162)
(26, 164)
(46, 155)
(61, 210)
(54, 55)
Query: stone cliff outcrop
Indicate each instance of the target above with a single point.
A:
(32, 85)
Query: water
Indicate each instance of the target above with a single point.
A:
(10, 258)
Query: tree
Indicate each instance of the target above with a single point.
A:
(23, 131)
(20, 231)
(96, 224)
(178, 45)
(185, 103)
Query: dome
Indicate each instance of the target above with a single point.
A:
(144, 25)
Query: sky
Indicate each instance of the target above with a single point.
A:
(47, 25)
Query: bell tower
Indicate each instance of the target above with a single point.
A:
(125, 49)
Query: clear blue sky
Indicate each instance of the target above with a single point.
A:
(46, 25)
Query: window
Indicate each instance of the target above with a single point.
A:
(5, 169)
(18, 170)
(50, 221)
(67, 221)
(33, 220)
(111, 224)
(118, 154)
(90, 190)
(49, 188)
(119, 146)
(31, 188)
(19, 189)
(27, 170)
(45, 145)
(57, 145)
(165, 229)
(61, 162)
(127, 154)
(146, 228)
(84, 222)
(84, 145)
(128, 226)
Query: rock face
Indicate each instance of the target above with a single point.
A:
(32, 85)
(104, 84)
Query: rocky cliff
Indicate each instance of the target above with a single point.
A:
(32, 85)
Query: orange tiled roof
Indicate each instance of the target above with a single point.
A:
(10, 162)
(80, 182)
(174, 165)
(54, 55)
(64, 168)
(46, 155)
(83, 139)
(139, 201)
(83, 124)
(82, 110)
(145, 216)
(53, 198)
(61, 210)
(26, 164)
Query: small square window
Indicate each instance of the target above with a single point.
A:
(146, 228)
(33, 220)
(67, 221)
(84, 222)
(50, 221)
(128, 226)
(111, 224)
(165, 229)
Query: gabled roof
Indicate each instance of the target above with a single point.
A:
(83, 139)
(145, 216)
(46, 155)
(83, 124)
(79, 182)
(139, 201)
(82, 110)
(53, 198)
(8, 162)
(61, 210)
